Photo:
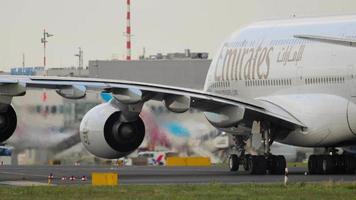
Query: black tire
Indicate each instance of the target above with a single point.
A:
(257, 165)
(316, 162)
(350, 164)
(279, 165)
(319, 162)
(271, 163)
(234, 162)
(328, 164)
(313, 164)
(246, 164)
(340, 164)
(261, 165)
(251, 164)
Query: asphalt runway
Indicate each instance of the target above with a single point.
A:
(33, 175)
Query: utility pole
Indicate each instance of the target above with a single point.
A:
(128, 31)
(44, 41)
(23, 60)
(80, 58)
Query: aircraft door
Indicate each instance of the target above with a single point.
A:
(300, 73)
(352, 83)
(299, 78)
(351, 107)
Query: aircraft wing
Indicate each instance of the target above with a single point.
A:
(73, 87)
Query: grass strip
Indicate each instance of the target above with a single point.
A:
(295, 191)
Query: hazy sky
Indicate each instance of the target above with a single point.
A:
(158, 25)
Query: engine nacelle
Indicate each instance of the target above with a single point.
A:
(8, 121)
(105, 135)
(225, 116)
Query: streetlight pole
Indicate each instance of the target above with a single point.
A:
(80, 58)
(44, 41)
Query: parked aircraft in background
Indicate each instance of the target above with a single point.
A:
(5, 150)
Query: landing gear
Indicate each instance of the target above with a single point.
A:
(275, 164)
(332, 164)
(256, 164)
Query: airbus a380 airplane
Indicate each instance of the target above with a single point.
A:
(293, 81)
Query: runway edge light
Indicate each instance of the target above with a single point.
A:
(104, 179)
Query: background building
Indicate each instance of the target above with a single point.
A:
(187, 69)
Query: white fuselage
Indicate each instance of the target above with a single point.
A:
(313, 81)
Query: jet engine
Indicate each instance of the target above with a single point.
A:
(8, 121)
(106, 134)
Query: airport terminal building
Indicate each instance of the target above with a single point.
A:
(177, 69)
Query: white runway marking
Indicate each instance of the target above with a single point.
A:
(22, 174)
(23, 183)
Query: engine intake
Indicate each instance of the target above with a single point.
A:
(105, 135)
(124, 136)
(8, 122)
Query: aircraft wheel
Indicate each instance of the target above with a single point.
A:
(246, 161)
(349, 164)
(257, 165)
(234, 162)
(328, 164)
(314, 164)
(340, 164)
(278, 165)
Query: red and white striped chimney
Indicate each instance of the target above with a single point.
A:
(128, 32)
